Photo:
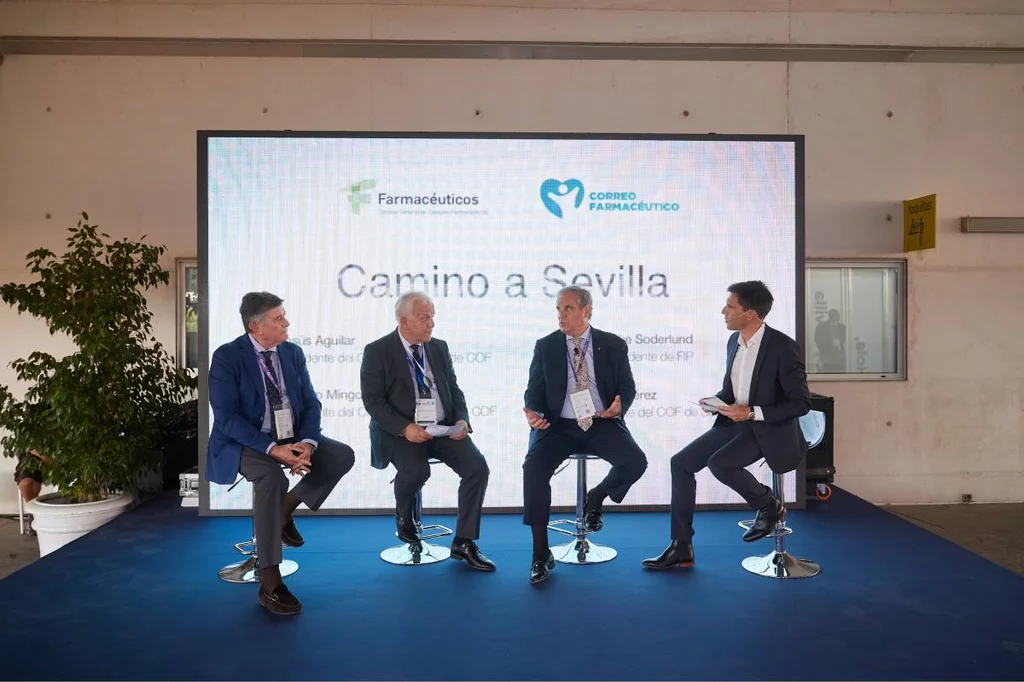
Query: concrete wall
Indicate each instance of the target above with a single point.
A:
(115, 135)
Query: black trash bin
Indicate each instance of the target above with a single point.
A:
(180, 447)
(821, 467)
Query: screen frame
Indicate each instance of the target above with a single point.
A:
(203, 138)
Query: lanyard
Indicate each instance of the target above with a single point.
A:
(573, 365)
(422, 367)
(266, 372)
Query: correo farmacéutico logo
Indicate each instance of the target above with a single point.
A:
(551, 190)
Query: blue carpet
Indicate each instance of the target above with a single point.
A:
(140, 599)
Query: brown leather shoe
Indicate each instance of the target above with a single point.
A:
(281, 602)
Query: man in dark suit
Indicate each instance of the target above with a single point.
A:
(409, 389)
(764, 395)
(266, 416)
(579, 390)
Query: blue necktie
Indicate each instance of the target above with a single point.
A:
(421, 382)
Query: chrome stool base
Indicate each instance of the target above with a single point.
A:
(582, 552)
(245, 571)
(782, 565)
(422, 553)
(411, 555)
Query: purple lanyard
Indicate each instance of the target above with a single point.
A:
(583, 357)
(266, 372)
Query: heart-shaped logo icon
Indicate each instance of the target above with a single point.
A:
(551, 190)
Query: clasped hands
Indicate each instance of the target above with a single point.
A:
(298, 457)
(538, 422)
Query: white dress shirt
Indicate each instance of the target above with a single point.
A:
(743, 370)
(275, 361)
(429, 373)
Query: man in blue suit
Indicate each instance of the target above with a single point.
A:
(579, 390)
(266, 417)
(764, 395)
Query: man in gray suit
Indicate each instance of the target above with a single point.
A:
(408, 386)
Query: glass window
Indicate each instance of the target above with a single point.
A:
(188, 313)
(856, 320)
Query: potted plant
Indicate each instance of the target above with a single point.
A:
(97, 414)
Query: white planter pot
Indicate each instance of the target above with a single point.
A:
(58, 522)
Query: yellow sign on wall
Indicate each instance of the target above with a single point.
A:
(919, 223)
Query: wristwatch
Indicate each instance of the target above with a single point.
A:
(752, 414)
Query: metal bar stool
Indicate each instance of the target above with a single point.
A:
(780, 563)
(247, 570)
(421, 553)
(580, 550)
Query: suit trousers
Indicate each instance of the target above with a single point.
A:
(330, 461)
(604, 438)
(410, 459)
(726, 451)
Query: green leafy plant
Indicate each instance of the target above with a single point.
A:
(97, 414)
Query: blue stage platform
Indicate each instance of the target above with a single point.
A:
(140, 599)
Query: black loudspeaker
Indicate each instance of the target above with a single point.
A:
(820, 464)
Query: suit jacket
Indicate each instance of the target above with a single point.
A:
(778, 386)
(549, 376)
(238, 398)
(389, 394)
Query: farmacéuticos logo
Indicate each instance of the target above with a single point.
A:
(357, 195)
(418, 202)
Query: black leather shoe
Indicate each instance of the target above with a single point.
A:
(676, 554)
(290, 535)
(593, 521)
(765, 521)
(468, 551)
(541, 569)
(280, 602)
(408, 532)
(593, 517)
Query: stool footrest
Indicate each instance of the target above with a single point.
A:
(578, 531)
(780, 528)
(246, 571)
(246, 547)
(435, 530)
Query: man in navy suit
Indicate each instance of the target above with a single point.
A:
(409, 388)
(266, 416)
(579, 390)
(765, 394)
